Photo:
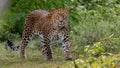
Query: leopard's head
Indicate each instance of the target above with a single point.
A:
(59, 17)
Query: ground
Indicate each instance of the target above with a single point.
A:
(10, 59)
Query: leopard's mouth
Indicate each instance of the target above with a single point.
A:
(61, 25)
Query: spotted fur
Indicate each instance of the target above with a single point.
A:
(49, 26)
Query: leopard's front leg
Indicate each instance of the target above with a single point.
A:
(46, 50)
(66, 45)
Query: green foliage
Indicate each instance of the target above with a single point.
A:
(93, 4)
(100, 62)
(93, 26)
(5, 31)
(106, 46)
(101, 54)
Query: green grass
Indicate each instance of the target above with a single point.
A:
(32, 62)
(10, 59)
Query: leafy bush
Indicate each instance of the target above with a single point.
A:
(101, 54)
(105, 46)
(100, 62)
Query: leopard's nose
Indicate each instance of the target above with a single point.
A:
(61, 21)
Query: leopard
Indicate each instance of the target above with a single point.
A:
(49, 26)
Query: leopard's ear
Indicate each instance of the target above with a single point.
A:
(50, 15)
(53, 9)
(67, 9)
(51, 12)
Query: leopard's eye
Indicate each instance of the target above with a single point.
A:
(57, 16)
(64, 17)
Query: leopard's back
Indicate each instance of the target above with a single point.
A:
(34, 22)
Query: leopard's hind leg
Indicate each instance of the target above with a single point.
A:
(27, 36)
(28, 33)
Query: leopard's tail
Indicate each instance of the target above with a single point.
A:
(12, 47)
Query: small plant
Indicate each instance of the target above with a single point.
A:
(101, 54)
(100, 62)
(106, 46)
